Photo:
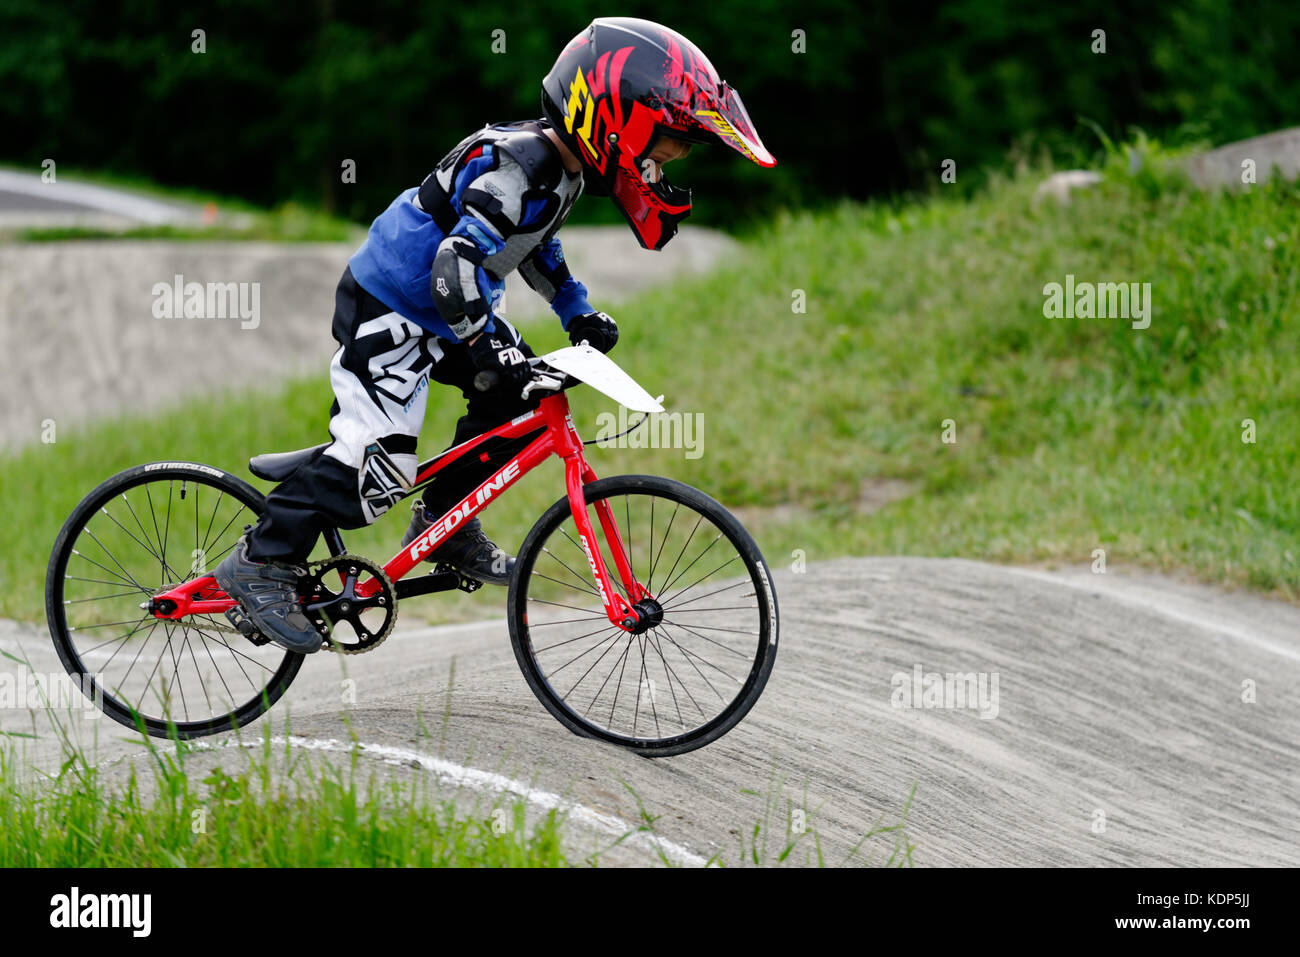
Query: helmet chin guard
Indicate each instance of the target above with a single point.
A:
(615, 89)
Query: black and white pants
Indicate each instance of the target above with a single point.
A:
(381, 376)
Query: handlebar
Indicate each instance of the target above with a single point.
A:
(544, 378)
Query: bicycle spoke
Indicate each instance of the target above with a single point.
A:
(130, 533)
(708, 595)
(216, 559)
(143, 531)
(102, 624)
(222, 678)
(176, 673)
(669, 675)
(138, 625)
(580, 549)
(556, 671)
(678, 624)
(543, 601)
(167, 523)
(591, 704)
(129, 579)
(682, 573)
(654, 562)
(685, 545)
(734, 631)
(171, 680)
(538, 651)
(148, 682)
(582, 581)
(236, 654)
(677, 676)
(565, 565)
(153, 517)
(706, 611)
(690, 658)
(669, 670)
(79, 601)
(612, 644)
(568, 621)
(644, 683)
(229, 522)
(139, 651)
(618, 687)
(100, 581)
(194, 661)
(697, 581)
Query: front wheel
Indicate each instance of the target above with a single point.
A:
(690, 677)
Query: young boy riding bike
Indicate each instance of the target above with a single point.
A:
(417, 301)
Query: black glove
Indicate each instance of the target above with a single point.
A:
(597, 328)
(490, 353)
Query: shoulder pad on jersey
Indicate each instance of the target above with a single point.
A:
(450, 160)
(536, 155)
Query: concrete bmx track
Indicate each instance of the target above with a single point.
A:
(1118, 730)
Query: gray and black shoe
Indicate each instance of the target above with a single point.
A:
(267, 593)
(469, 551)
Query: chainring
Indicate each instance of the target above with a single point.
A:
(330, 597)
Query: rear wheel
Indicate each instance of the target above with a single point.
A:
(142, 532)
(699, 667)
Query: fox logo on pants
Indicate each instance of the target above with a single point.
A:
(381, 482)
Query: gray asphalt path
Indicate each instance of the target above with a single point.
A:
(1137, 720)
(15, 201)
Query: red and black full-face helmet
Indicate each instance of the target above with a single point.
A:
(615, 89)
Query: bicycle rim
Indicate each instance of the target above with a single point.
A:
(141, 532)
(684, 681)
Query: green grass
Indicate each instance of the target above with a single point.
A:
(283, 809)
(287, 224)
(1072, 434)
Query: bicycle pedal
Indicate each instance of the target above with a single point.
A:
(463, 581)
(244, 625)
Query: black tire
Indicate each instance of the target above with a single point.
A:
(130, 545)
(672, 725)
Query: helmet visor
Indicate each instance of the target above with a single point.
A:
(725, 117)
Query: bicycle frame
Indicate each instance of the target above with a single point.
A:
(560, 438)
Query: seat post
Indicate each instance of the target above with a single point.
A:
(334, 541)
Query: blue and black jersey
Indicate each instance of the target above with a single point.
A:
(440, 253)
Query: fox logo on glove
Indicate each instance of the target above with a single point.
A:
(509, 355)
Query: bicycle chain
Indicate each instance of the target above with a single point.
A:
(385, 598)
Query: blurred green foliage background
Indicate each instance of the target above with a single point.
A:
(883, 94)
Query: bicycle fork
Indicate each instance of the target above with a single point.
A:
(633, 617)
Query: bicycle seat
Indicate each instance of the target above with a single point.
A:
(278, 466)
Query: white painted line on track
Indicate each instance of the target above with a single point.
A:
(449, 772)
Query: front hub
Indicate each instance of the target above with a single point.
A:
(649, 614)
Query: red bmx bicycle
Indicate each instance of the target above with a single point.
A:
(640, 611)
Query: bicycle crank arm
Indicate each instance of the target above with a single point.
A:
(432, 582)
